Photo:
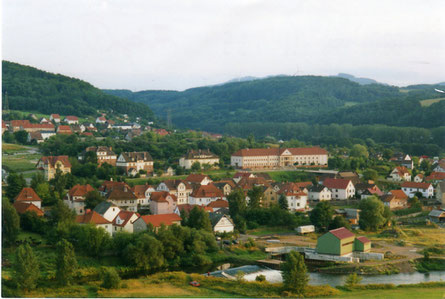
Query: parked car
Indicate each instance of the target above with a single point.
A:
(194, 283)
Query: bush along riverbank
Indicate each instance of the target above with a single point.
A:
(380, 269)
(430, 264)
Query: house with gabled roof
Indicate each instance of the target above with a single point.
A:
(218, 204)
(142, 223)
(419, 178)
(55, 118)
(50, 164)
(104, 154)
(75, 198)
(101, 120)
(122, 196)
(179, 188)
(319, 193)
(63, 129)
(71, 120)
(23, 207)
(200, 179)
(92, 217)
(340, 188)
(187, 208)
(162, 202)
(221, 223)
(226, 186)
(403, 160)
(205, 194)
(411, 188)
(142, 193)
(393, 202)
(198, 156)
(399, 194)
(439, 166)
(243, 174)
(107, 210)
(295, 196)
(435, 177)
(123, 222)
(264, 158)
(28, 195)
(400, 173)
(135, 161)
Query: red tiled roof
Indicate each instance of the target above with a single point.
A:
(23, 207)
(121, 192)
(55, 115)
(43, 126)
(157, 220)
(52, 160)
(436, 176)
(19, 123)
(303, 184)
(399, 194)
(243, 174)
(279, 151)
(342, 233)
(92, 217)
(196, 178)
(71, 117)
(80, 190)
(87, 134)
(161, 196)
(336, 183)
(219, 203)
(109, 185)
(125, 216)
(402, 170)
(27, 194)
(63, 128)
(209, 190)
(363, 239)
(416, 185)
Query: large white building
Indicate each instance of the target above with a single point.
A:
(263, 158)
(411, 188)
(200, 156)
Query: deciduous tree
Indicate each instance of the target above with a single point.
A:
(66, 263)
(295, 277)
(26, 268)
(10, 223)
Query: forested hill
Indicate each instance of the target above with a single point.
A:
(308, 99)
(31, 89)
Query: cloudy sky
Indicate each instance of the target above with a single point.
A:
(168, 44)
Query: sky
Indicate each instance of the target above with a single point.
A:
(168, 44)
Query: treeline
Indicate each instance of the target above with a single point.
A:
(31, 89)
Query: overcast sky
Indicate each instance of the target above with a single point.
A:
(168, 44)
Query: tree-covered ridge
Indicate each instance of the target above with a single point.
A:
(31, 89)
(309, 99)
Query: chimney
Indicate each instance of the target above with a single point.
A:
(87, 211)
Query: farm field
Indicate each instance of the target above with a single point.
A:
(429, 102)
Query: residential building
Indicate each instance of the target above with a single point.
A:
(162, 202)
(270, 196)
(439, 166)
(435, 177)
(142, 193)
(124, 220)
(340, 188)
(400, 173)
(55, 118)
(107, 210)
(71, 120)
(40, 136)
(419, 178)
(221, 223)
(319, 193)
(156, 221)
(242, 174)
(411, 188)
(296, 198)
(399, 194)
(64, 129)
(393, 202)
(50, 164)
(122, 196)
(440, 193)
(101, 120)
(218, 204)
(199, 179)
(402, 160)
(199, 156)
(266, 158)
(226, 186)
(135, 160)
(23, 207)
(104, 154)
(75, 198)
(205, 194)
(179, 188)
(92, 217)
(187, 208)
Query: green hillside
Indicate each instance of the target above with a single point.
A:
(31, 89)
(285, 99)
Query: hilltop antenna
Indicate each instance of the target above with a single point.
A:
(169, 118)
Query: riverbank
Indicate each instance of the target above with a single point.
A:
(176, 284)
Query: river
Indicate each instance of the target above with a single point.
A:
(337, 279)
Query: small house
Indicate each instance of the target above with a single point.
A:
(221, 223)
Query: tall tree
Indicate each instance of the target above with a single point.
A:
(295, 277)
(66, 263)
(237, 202)
(321, 215)
(10, 223)
(256, 195)
(199, 219)
(59, 183)
(92, 199)
(372, 214)
(26, 268)
(282, 202)
(146, 254)
(16, 182)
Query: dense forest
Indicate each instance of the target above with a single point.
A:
(285, 99)
(31, 89)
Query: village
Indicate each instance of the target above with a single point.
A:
(142, 198)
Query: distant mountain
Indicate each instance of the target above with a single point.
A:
(31, 89)
(361, 81)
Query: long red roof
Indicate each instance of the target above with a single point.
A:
(80, 190)
(336, 183)
(92, 217)
(157, 220)
(297, 151)
(416, 185)
(342, 233)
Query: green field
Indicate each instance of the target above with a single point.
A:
(404, 292)
(426, 103)
(20, 163)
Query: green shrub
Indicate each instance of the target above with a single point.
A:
(110, 278)
(260, 278)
